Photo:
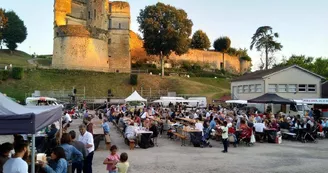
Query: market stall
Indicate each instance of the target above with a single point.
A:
(18, 119)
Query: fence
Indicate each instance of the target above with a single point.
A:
(151, 94)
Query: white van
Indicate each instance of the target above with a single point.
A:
(40, 101)
(202, 102)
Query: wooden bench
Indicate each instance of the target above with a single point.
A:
(132, 144)
(182, 137)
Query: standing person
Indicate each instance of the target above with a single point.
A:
(87, 139)
(106, 127)
(77, 165)
(112, 160)
(57, 162)
(89, 125)
(5, 150)
(16, 164)
(225, 136)
(71, 153)
(123, 165)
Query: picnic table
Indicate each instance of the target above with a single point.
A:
(188, 120)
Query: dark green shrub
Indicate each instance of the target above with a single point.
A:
(133, 79)
(4, 74)
(17, 72)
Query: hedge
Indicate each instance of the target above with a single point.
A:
(17, 72)
(4, 74)
(133, 79)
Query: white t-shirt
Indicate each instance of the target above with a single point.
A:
(224, 132)
(144, 115)
(196, 116)
(87, 138)
(259, 127)
(67, 118)
(15, 165)
(208, 114)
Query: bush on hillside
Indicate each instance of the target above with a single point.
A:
(17, 72)
(133, 79)
(4, 74)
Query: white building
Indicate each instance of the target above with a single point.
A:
(292, 82)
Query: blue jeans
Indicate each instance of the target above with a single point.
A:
(78, 166)
(112, 172)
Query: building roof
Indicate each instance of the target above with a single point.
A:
(260, 74)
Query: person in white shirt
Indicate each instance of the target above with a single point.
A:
(87, 139)
(196, 116)
(67, 118)
(259, 130)
(144, 115)
(16, 164)
(199, 126)
(225, 136)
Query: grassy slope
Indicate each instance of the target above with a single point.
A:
(18, 58)
(97, 84)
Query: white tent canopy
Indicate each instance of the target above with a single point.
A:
(135, 96)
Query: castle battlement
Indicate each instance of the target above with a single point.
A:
(89, 33)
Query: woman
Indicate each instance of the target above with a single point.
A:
(71, 153)
(57, 162)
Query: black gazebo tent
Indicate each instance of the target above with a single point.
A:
(270, 98)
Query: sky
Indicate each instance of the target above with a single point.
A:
(302, 24)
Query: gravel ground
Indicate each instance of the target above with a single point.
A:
(170, 157)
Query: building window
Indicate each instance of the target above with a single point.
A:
(89, 15)
(246, 88)
(282, 88)
(258, 88)
(109, 41)
(110, 24)
(292, 88)
(272, 88)
(301, 88)
(94, 14)
(119, 26)
(252, 88)
(311, 88)
(240, 89)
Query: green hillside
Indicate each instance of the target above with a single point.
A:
(17, 58)
(96, 83)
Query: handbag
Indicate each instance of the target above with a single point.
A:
(253, 140)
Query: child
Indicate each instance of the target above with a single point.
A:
(123, 165)
(112, 160)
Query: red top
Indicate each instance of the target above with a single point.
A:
(231, 130)
(320, 127)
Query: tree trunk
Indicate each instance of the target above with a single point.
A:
(162, 65)
(266, 58)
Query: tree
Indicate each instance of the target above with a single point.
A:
(222, 44)
(200, 41)
(15, 31)
(165, 30)
(316, 65)
(3, 23)
(263, 40)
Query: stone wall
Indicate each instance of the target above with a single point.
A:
(232, 63)
(80, 53)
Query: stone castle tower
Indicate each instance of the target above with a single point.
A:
(92, 35)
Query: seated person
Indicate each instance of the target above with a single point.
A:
(284, 124)
(52, 132)
(105, 126)
(130, 133)
(259, 130)
(137, 119)
(154, 129)
(243, 125)
(199, 126)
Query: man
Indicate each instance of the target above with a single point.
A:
(89, 124)
(225, 136)
(213, 123)
(77, 165)
(16, 164)
(105, 126)
(87, 139)
(259, 130)
(53, 130)
(199, 126)
(5, 150)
